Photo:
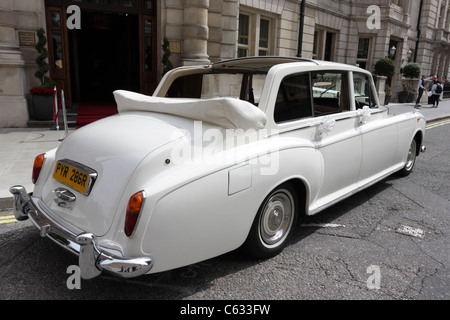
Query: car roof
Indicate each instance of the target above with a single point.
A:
(257, 63)
(264, 64)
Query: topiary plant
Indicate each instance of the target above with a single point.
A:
(44, 67)
(165, 58)
(412, 70)
(385, 67)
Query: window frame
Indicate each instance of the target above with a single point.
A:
(367, 59)
(253, 47)
(245, 34)
(286, 101)
(372, 92)
(346, 78)
(324, 43)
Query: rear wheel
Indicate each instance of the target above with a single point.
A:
(411, 160)
(273, 224)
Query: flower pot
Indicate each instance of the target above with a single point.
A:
(410, 97)
(402, 97)
(41, 107)
(387, 99)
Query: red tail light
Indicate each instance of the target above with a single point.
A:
(133, 210)
(38, 162)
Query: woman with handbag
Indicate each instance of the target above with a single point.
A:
(436, 91)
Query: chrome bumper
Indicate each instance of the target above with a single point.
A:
(92, 260)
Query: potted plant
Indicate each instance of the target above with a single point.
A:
(387, 95)
(165, 59)
(385, 67)
(42, 97)
(411, 70)
(404, 95)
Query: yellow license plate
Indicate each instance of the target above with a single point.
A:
(75, 176)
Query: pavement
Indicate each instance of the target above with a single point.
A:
(19, 147)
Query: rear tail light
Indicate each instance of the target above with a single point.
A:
(37, 166)
(133, 211)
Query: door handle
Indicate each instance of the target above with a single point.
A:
(64, 195)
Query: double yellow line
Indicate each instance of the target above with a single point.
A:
(7, 219)
(437, 124)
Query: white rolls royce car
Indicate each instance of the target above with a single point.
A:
(220, 157)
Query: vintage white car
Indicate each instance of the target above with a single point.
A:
(222, 156)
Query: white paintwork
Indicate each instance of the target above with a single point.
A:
(197, 208)
(228, 113)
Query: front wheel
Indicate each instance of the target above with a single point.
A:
(411, 160)
(273, 224)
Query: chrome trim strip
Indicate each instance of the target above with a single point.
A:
(92, 259)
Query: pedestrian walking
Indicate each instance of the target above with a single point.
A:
(436, 93)
(422, 88)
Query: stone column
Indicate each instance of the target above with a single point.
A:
(13, 106)
(195, 32)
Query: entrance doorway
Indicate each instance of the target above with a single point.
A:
(105, 56)
(114, 49)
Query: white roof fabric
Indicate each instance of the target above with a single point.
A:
(229, 113)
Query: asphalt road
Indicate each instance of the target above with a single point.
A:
(389, 242)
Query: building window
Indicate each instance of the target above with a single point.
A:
(324, 45)
(392, 49)
(447, 28)
(263, 38)
(441, 21)
(257, 43)
(363, 53)
(244, 25)
(398, 3)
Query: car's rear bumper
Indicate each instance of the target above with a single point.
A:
(92, 259)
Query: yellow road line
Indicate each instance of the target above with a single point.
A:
(437, 124)
(7, 219)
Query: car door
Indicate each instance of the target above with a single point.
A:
(379, 134)
(338, 138)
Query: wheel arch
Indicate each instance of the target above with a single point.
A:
(302, 192)
(419, 140)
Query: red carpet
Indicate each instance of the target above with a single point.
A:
(89, 112)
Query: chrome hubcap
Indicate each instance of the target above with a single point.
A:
(277, 217)
(411, 156)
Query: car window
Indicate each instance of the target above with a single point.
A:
(364, 95)
(244, 86)
(189, 86)
(293, 99)
(330, 92)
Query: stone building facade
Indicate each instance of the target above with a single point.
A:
(129, 35)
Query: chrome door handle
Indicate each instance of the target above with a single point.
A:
(65, 195)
